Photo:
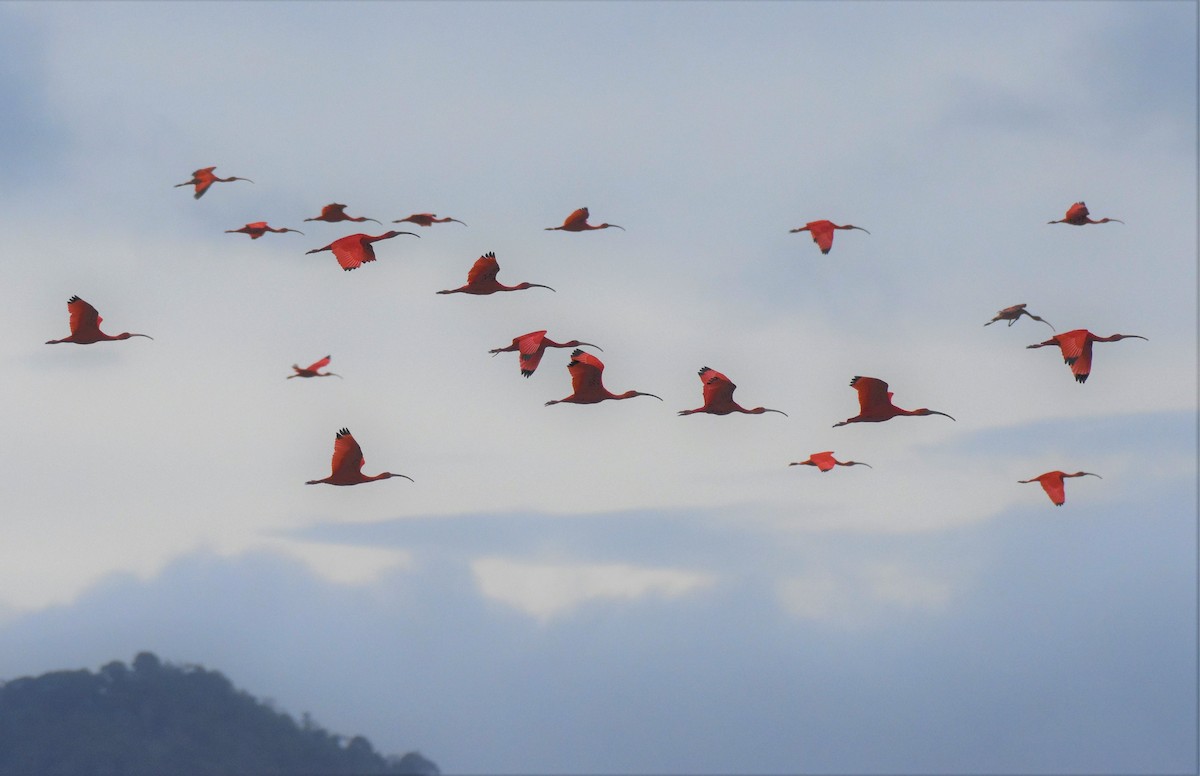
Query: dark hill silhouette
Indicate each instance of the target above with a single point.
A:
(155, 717)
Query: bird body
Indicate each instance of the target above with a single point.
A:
(335, 212)
(258, 229)
(718, 396)
(822, 232)
(1076, 348)
(1052, 483)
(825, 461)
(1077, 215)
(426, 219)
(577, 222)
(348, 462)
(875, 403)
(533, 345)
(1011, 314)
(204, 178)
(85, 326)
(481, 279)
(312, 370)
(354, 250)
(587, 385)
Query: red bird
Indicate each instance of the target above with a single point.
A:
(531, 346)
(587, 384)
(354, 250)
(822, 232)
(718, 396)
(875, 403)
(1011, 314)
(577, 222)
(85, 325)
(481, 280)
(348, 462)
(426, 219)
(312, 370)
(258, 229)
(335, 212)
(203, 179)
(1076, 347)
(825, 461)
(1077, 215)
(1052, 483)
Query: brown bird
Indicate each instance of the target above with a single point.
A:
(1052, 483)
(1077, 215)
(587, 385)
(531, 346)
(718, 396)
(1076, 348)
(825, 461)
(258, 229)
(335, 212)
(875, 403)
(822, 232)
(577, 222)
(426, 219)
(85, 326)
(312, 370)
(203, 179)
(481, 279)
(354, 250)
(348, 462)
(1011, 314)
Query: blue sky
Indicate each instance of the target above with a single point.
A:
(612, 588)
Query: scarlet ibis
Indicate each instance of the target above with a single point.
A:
(427, 219)
(1077, 215)
(335, 212)
(312, 370)
(481, 280)
(348, 462)
(825, 461)
(1011, 314)
(587, 381)
(1076, 347)
(354, 250)
(875, 403)
(531, 346)
(202, 179)
(85, 325)
(718, 396)
(577, 222)
(258, 229)
(822, 232)
(1052, 483)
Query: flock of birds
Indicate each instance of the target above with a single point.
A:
(586, 370)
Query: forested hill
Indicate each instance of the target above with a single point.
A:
(155, 717)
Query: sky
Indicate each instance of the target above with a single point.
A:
(612, 588)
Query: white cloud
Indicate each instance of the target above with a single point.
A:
(866, 593)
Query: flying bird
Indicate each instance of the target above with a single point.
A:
(1076, 347)
(825, 461)
(427, 219)
(587, 385)
(354, 250)
(718, 396)
(335, 212)
(1011, 314)
(822, 232)
(85, 325)
(1052, 483)
(312, 370)
(1077, 215)
(481, 280)
(258, 229)
(577, 222)
(203, 179)
(348, 462)
(875, 403)
(531, 346)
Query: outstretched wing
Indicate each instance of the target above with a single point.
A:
(822, 234)
(352, 251)
(586, 371)
(83, 316)
(718, 389)
(873, 394)
(1052, 483)
(531, 349)
(823, 461)
(347, 455)
(318, 364)
(485, 269)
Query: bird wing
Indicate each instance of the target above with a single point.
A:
(347, 455)
(318, 364)
(531, 350)
(1071, 344)
(1052, 483)
(1082, 366)
(332, 210)
(485, 268)
(823, 461)
(577, 218)
(586, 371)
(1077, 212)
(872, 394)
(822, 234)
(718, 389)
(83, 316)
(352, 252)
